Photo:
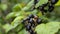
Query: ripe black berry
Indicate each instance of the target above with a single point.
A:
(28, 27)
(28, 18)
(32, 32)
(51, 7)
(41, 8)
(35, 1)
(54, 1)
(31, 21)
(31, 16)
(35, 17)
(39, 21)
(23, 21)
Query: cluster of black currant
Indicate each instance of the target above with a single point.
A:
(31, 22)
(49, 4)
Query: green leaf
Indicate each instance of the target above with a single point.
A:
(14, 24)
(19, 27)
(3, 6)
(39, 13)
(29, 5)
(49, 28)
(58, 3)
(24, 1)
(17, 7)
(10, 15)
(23, 32)
(17, 21)
(20, 13)
(57, 10)
(34, 11)
(7, 27)
(41, 2)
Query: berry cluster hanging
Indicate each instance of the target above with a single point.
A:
(50, 4)
(33, 20)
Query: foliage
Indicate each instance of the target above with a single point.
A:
(49, 28)
(19, 11)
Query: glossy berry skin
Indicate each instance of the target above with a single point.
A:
(23, 22)
(54, 1)
(28, 27)
(31, 16)
(39, 21)
(35, 1)
(35, 17)
(51, 8)
(28, 18)
(41, 8)
(31, 21)
(32, 32)
(33, 25)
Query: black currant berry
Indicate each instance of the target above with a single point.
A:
(51, 8)
(32, 32)
(28, 18)
(54, 1)
(39, 21)
(28, 27)
(35, 1)
(35, 17)
(23, 21)
(31, 21)
(41, 8)
(33, 25)
(31, 16)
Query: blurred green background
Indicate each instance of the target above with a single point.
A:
(12, 12)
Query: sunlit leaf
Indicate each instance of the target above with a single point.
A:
(10, 15)
(24, 1)
(20, 13)
(34, 11)
(49, 28)
(41, 2)
(19, 27)
(3, 6)
(23, 32)
(7, 27)
(17, 7)
(17, 21)
(58, 3)
(29, 5)
(39, 13)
